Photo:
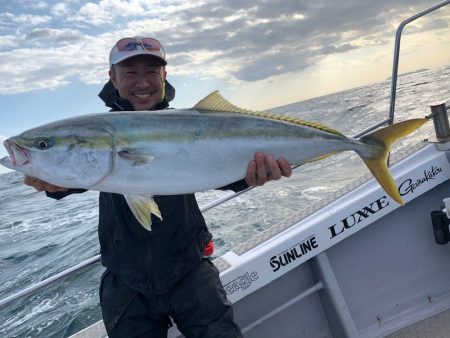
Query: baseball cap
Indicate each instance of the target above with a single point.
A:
(128, 47)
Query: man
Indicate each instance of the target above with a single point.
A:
(153, 276)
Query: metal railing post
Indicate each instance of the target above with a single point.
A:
(397, 53)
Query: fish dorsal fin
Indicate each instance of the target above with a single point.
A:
(215, 102)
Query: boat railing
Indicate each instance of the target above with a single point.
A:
(70, 271)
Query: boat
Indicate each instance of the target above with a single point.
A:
(354, 264)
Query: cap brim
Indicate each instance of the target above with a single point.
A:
(119, 57)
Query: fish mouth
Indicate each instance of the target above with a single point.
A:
(18, 156)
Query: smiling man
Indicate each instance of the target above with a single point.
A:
(140, 80)
(166, 273)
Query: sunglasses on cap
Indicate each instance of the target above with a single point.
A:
(149, 44)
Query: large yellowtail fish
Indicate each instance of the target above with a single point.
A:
(141, 154)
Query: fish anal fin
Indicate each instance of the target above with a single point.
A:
(143, 207)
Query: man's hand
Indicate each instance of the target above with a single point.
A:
(40, 185)
(264, 168)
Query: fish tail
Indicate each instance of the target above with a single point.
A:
(380, 143)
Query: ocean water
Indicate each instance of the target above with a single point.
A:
(40, 237)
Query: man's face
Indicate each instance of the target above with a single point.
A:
(140, 80)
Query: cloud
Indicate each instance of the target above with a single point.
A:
(53, 59)
(39, 5)
(49, 36)
(8, 19)
(61, 9)
(233, 40)
(94, 13)
(8, 41)
(254, 42)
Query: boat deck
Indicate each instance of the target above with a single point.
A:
(437, 326)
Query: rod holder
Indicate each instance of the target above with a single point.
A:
(440, 121)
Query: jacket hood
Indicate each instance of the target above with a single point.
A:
(111, 97)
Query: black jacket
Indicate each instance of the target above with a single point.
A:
(150, 261)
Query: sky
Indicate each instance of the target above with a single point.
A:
(259, 54)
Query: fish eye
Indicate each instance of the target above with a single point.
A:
(43, 143)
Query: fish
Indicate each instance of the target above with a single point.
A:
(140, 154)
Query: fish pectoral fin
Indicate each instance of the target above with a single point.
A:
(143, 207)
(137, 156)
